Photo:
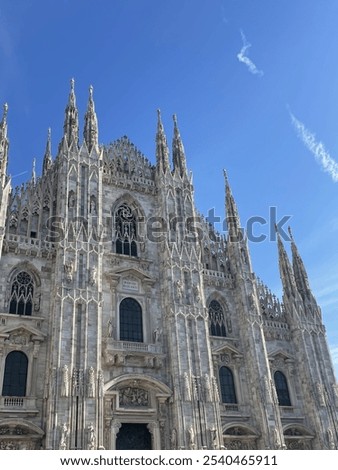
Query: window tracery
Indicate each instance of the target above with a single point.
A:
(22, 293)
(216, 319)
(125, 231)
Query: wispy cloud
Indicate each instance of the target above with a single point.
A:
(317, 149)
(242, 56)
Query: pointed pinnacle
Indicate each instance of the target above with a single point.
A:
(290, 233)
(5, 107)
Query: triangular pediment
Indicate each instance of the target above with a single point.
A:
(227, 349)
(22, 330)
(133, 272)
(279, 354)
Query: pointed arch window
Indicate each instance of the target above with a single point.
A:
(216, 319)
(226, 380)
(21, 296)
(125, 231)
(282, 389)
(15, 376)
(131, 328)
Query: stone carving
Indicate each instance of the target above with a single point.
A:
(65, 381)
(179, 290)
(7, 445)
(64, 437)
(173, 439)
(91, 437)
(213, 437)
(207, 388)
(37, 301)
(267, 389)
(276, 438)
(157, 335)
(69, 271)
(197, 293)
(335, 394)
(52, 382)
(77, 382)
(133, 397)
(91, 383)
(93, 205)
(274, 392)
(186, 387)
(71, 199)
(100, 383)
(92, 276)
(110, 328)
(215, 387)
(320, 393)
(191, 438)
(330, 438)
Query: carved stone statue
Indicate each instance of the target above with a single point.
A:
(69, 271)
(91, 437)
(197, 293)
(191, 437)
(215, 387)
(179, 290)
(71, 199)
(93, 205)
(91, 383)
(320, 393)
(64, 436)
(186, 387)
(93, 276)
(110, 328)
(173, 439)
(157, 333)
(207, 388)
(65, 381)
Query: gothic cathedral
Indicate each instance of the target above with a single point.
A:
(127, 322)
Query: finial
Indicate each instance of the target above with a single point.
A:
(49, 134)
(290, 233)
(276, 228)
(33, 171)
(158, 113)
(225, 176)
(175, 119)
(5, 109)
(72, 83)
(91, 91)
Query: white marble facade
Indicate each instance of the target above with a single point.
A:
(127, 322)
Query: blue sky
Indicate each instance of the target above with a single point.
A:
(254, 84)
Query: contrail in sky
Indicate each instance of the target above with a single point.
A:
(316, 148)
(242, 56)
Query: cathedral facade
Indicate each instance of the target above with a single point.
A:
(127, 322)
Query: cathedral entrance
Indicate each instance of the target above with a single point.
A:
(133, 436)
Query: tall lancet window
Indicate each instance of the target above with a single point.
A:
(125, 231)
(227, 384)
(216, 319)
(282, 389)
(22, 292)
